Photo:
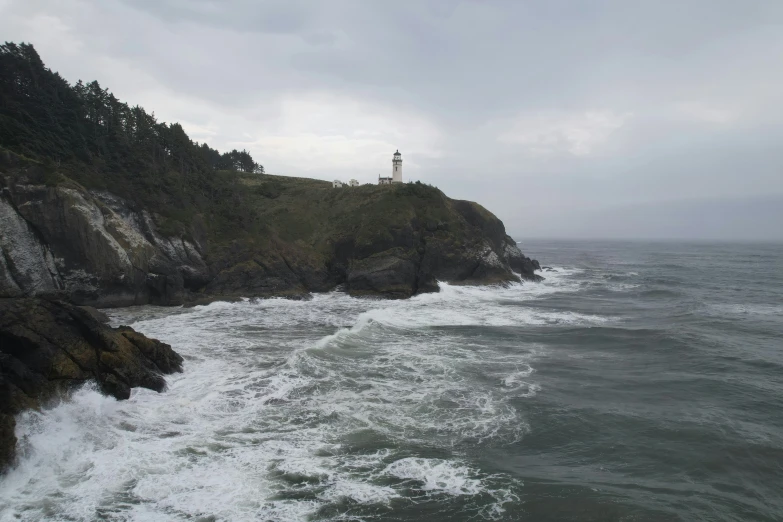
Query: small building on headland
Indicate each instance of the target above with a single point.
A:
(339, 184)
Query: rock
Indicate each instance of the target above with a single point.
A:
(90, 248)
(392, 273)
(48, 347)
(96, 314)
(26, 263)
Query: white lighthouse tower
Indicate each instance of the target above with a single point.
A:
(397, 167)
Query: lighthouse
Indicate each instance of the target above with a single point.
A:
(397, 167)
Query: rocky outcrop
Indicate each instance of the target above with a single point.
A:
(48, 347)
(471, 248)
(393, 273)
(92, 247)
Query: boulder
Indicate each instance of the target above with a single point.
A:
(96, 314)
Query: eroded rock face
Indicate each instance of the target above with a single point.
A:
(393, 273)
(26, 264)
(90, 248)
(48, 347)
(413, 260)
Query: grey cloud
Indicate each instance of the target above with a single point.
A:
(544, 111)
(271, 16)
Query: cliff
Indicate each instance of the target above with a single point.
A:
(48, 347)
(296, 235)
(101, 204)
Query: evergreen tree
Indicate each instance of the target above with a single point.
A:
(103, 143)
(42, 116)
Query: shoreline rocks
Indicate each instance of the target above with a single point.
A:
(47, 347)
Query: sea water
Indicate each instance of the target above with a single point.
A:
(639, 381)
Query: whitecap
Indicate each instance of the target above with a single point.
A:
(437, 475)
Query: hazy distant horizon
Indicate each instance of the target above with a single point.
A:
(663, 240)
(732, 220)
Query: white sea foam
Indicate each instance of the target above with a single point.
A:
(286, 407)
(360, 492)
(622, 287)
(437, 475)
(519, 383)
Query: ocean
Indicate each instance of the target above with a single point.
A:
(641, 381)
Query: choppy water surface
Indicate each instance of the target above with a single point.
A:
(638, 382)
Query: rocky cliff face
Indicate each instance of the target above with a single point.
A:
(469, 248)
(95, 248)
(47, 347)
(90, 248)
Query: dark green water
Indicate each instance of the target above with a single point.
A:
(639, 382)
(674, 411)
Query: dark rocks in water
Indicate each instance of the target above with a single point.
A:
(468, 245)
(48, 347)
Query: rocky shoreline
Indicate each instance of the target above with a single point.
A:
(48, 347)
(92, 247)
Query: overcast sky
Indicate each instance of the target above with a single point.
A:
(565, 118)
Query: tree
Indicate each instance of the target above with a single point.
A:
(104, 143)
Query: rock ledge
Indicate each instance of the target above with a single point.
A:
(47, 347)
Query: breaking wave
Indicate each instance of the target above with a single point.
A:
(298, 410)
